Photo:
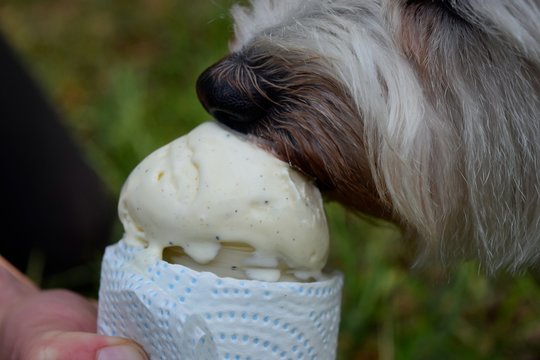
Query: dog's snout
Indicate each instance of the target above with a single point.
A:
(230, 93)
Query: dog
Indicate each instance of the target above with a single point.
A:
(421, 112)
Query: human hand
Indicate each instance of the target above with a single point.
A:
(52, 324)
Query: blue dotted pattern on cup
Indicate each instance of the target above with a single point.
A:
(178, 313)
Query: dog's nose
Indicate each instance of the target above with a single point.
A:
(229, 91)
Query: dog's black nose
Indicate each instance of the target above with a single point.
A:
(231, 92)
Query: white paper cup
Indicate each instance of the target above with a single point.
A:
(178, 313)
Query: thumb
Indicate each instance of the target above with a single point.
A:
(60, 325)
(59, 345)
(53, 325)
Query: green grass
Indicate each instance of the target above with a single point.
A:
(123, 75)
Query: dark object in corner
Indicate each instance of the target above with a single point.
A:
(52, 201)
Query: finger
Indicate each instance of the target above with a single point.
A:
(13, 287)
(56, 325)
(82, 346)
(16, 273)
(54, 310)
(94, 303)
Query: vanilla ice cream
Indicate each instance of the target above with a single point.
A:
(214, 201)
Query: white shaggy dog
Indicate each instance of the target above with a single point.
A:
(423, 112)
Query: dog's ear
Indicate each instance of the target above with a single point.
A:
(424, 24)
(420, 24)
(479, 66)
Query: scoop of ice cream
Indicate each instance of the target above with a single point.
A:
(218, 202)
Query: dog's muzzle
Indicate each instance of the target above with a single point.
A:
(233, 94)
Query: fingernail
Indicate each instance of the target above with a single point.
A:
(120, 352)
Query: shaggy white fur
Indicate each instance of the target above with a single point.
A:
(447, 98)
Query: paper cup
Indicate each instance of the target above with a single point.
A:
(178, 313)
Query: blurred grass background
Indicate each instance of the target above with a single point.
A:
(123, 72)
